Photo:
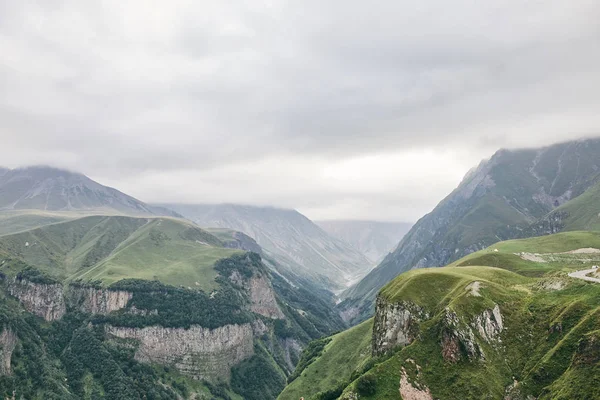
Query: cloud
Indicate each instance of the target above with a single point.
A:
(338, 108)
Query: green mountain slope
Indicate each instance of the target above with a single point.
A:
(157, 308)
(497, 201)
(332, 366)
(504, 322)
(110, 248)
(581, 213)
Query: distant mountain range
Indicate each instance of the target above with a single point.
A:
(372, 238)
(291, 237)
(516, 193)
(52, 189)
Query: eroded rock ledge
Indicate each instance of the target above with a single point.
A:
(198, 352)
(396, 324)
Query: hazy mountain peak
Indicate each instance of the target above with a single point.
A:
(54, 189)
(375, 239)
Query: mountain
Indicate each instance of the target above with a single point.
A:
(581, 213)
(506, 322)
(122, 307)
(290, 237)
(498, 200)
(374, 239)
(51, 189)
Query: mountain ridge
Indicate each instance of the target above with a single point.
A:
(47, 188)
(498, 200)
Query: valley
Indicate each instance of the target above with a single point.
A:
(491, 295)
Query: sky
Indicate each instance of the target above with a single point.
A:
(340, 109)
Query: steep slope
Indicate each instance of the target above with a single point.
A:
(505, 322)
(290, 237)
(152, 305)
(374, 239)
(51, 189)
(581, 213)
(109, 248)
(496, 201)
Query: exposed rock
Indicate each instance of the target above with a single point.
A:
(8, 341)
(100, 301)
(458, 338)
(291, 352)
(198, 352)
(349, 314)
(259, 328)
(396, 324)
(410, 392)
(473, 288)
(450, 347)
(43, 300)
(489, 324)
(262, 298)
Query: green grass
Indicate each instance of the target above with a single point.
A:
(583, 211)
(345, 353)
(111, 248)
(20, 221)
(550, 343)
(557, 243)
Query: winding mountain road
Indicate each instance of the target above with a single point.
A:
(583, 275)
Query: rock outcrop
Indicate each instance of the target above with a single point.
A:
(396, 324)
(43, 300)
(8, 342)
(99, 301)
(458, 338)
(408, 391)
(262, 298)
(489, 324)
(198, 352)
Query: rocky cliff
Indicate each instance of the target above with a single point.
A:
(99, 301)
(395, 324)
(398, 324)
(48, 300)
(262, 298)
(8, 342)
(44, 300)
(198, 352)
(498, 200)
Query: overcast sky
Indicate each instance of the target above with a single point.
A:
(341, 109)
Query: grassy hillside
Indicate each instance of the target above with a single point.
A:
(546, 345)
(581, 213)
(24, 220)
(516, 193)
(345, 353)
(111, 248)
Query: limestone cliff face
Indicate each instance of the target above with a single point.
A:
(262, 298)
(198, 352)
(396, 324)
(8, 342)
(464, 338)
(99, 301)
(48, 300)
(260, 293)
(43, 300)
